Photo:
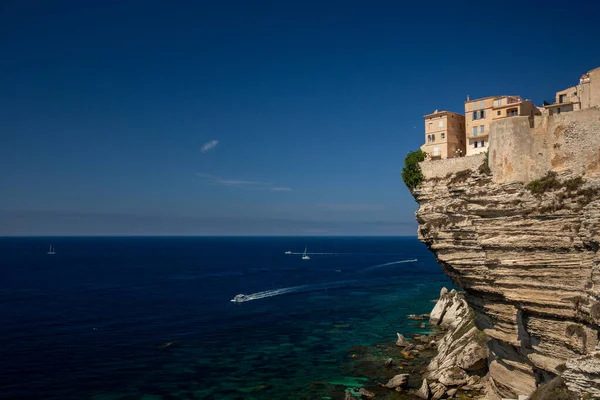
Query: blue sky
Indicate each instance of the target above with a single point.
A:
(307, 109)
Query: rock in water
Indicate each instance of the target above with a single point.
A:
(348, 396)
(400, 381)
(389, 362)
(365, 393)
(423, 391)
(402, 342)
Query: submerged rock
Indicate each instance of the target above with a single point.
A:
(401, 342)
(389, 362)
(365, 393)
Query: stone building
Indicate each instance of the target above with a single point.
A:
(444, 135)
(588, 90)
(480, 113)
(585, 95)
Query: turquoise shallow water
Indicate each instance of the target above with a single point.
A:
(150, 318)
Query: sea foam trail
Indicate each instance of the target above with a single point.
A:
(391, 263)
(318, 286)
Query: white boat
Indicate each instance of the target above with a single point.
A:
(239, 298)
(51, 251)
(288, 252)
(304, 256)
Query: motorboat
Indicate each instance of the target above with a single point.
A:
(239, 298)
(288, 252)
(52, 250)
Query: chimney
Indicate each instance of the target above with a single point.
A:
(468, 97)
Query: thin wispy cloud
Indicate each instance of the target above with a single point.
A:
(209, 146)
(242, 183)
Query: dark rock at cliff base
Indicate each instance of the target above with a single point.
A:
(401, 342)
(400, 380)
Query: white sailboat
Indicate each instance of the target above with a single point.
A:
(52, 250)
(304, 256)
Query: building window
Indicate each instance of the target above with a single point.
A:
(481, 104)
(499, 112)
(428, 138)
(558, 110)
(483, 143)
(441, 124)
(475, 105)
(436, 151)
(474, 131)
(475, 144)
(482, 113)
(561, 98)
(474, 115)
(433, 138)
(443, 135)
(512, 113)
(430, 125)
(499, 102)
(481, 129)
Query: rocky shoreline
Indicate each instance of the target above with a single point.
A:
(450, 362)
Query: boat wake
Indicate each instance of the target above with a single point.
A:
(391, 263)
(319, 286)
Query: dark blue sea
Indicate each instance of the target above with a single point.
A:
(151, 318)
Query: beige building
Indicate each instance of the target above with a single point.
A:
(481, 112)
(585, 95)
(444, 135)
(565, 101)
(588, 90)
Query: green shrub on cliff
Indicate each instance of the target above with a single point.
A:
(545, 183)
(411, 173)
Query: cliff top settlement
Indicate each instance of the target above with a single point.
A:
(449, 134)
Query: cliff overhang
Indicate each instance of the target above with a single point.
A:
(527, 258)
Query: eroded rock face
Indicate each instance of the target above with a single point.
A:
(530, 267)
(461, 351)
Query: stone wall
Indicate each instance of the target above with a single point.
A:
(441, 168)
(566, 143)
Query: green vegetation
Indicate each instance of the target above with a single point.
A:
(544, 184)
(411, 173)
(550, 182)
(553, 390)
(484, 168)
